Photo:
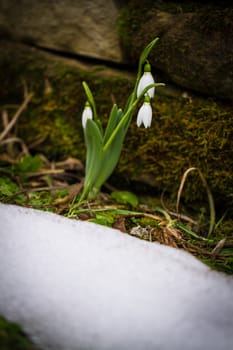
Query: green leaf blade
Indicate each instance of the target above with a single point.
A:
(94, 146)
(90, 98)
(145, 53)
(114, 118)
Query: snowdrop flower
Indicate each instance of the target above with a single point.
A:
(145, 113)
(146, 79)
(87, 114)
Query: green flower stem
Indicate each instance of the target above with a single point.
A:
(142, 60)
(128, 115)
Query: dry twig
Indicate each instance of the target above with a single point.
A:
(10, 125)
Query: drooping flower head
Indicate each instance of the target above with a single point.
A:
(87, 114)
(145, 113)
(146, 80)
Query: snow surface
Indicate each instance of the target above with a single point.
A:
(78, 285)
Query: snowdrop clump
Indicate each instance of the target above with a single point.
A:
(103, 147)
(77, 285)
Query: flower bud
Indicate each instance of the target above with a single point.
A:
(146, 80)
(87, 114)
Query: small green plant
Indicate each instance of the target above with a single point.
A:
(103, 147)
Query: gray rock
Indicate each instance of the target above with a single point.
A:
(81, 27)
(195, 49)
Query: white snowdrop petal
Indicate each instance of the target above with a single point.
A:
(140, 116)
(87, 114)
(139, 122)
(145, 115)
(146, 79)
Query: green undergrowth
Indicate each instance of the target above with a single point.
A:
(30, 183)
(13, 338)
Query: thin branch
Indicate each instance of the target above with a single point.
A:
(16, 139)
(16, 116)
(5, 120)
(177, 215)
(209, 194)
(184, 177)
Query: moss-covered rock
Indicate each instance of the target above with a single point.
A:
(185, 133)
(195, 49)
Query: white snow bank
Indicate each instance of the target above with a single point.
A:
(77, 285)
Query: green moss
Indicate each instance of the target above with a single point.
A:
(219, 264)
(12, 337)
(183, 135)
(54, 120)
